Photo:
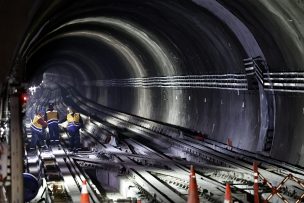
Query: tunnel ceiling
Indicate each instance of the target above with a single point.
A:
(179, 62)
(212, 36)
(146, 40)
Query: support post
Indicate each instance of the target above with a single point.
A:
(16, 151)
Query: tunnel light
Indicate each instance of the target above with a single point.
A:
(23, 98)
(32, 89)
(2, 130)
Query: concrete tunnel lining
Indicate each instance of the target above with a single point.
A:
(216, 47)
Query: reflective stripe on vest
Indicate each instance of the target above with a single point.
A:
(52, 117)
(73, 120)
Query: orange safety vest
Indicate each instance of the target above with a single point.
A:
(73, 120)
(52, 117)
(35, 125)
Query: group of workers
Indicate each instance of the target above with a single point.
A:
(51, 120)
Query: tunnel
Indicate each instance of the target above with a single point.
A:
(228, 72)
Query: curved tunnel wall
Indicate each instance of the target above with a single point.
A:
(111, 49)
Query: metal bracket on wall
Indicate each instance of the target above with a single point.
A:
(256, 69)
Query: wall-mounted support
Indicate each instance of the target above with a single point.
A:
(255, 69)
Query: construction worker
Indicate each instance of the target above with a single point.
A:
(74, 124)
(52, 119)
(37, 127)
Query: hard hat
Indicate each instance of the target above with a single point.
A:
(51, 105)
(32, 188)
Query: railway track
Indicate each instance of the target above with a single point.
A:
(153, 159)
(273, 170)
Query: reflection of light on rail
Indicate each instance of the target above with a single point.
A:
(113, 121)
(135, 129)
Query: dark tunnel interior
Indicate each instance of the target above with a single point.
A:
(182, 63)
(153, 88)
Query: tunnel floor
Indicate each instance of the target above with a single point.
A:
(125, 158)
